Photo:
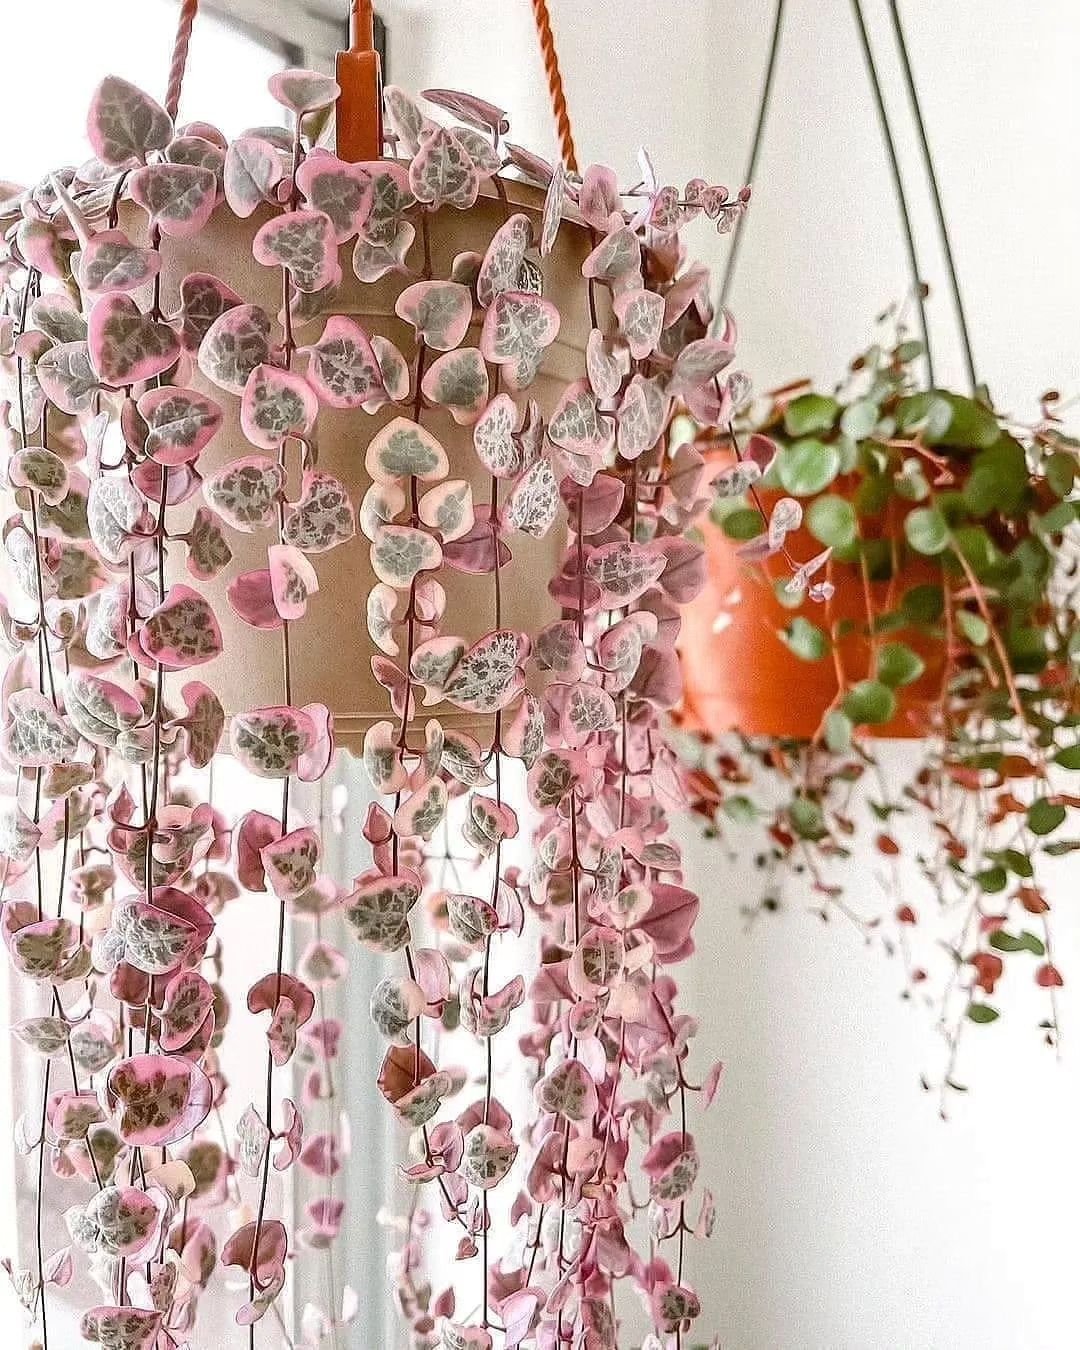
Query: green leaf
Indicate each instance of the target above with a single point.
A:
(927, 530)
(991, 880)
(859, 419)
(1060, 470)
(832, 521)
(971, 425)
(973, 626)
(807, 819)
(807, 467)
(743, 523)
(1069, 757)
(982, 1013)
(897, 664)
(740, 809)
(929, 413)
(805, 639)
(838, 731)
(1002, 941)
(998, 479)
(810, 413)
(923, 604)
(870, 703)
(1045, 816)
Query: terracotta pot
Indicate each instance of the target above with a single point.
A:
(739, 674)
(331, 650)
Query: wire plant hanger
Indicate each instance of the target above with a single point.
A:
(895, 171)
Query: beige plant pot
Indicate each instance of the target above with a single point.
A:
(331, 651)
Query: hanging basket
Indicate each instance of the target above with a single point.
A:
(741, 674)
(333, 663)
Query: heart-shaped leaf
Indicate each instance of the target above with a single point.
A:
(420, 815)
(153, 940)
(234, 345)
(489, 675)
(270, 742)
(113, 510)
(616, 260)
(99, 710)
(569, 1091)
(127, 346)
(204, 722)
(517, 328)
(34, 734)
(441, 172)
(178, 198)
(641, 319)
(305, 243)
(623, 570)
(458, 381)
(404, 449)
(501, 269)
(203, 298)
(439, 311)
(276, 404)
(340, 190)
(323, 517)
(343, 368)
(493, 437)
(246, 491)
(208, 549)
(642, 416)
(534, 501)
(161, 1099)
(111, 262)
(303, 91)
(292, 580)
(378, 912)
(181, 632)
(448, 508)
(399, 552)
(41, 471)
(120, 1328)
(180, 424)
(125, 124)
(290, 862)
(489, 1155)
(188, 1001)
(252, 171)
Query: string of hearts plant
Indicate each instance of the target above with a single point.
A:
(116, 860)
(951, 528)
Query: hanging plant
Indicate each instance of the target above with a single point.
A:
(201, 482)
(890, 561)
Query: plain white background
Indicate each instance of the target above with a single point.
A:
(850, 1217)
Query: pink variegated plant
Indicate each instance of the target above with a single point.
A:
(116, 862)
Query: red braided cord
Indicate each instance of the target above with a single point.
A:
(188, 10)
(555, 84)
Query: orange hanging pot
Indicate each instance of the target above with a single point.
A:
(739, 648)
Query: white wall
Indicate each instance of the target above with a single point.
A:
(850, 1216)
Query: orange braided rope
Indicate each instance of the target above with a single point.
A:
(555, 84)
(188, 9)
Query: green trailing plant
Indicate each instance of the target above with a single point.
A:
(955, 524)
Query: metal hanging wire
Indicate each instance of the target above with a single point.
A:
(935, 191)
(889, 142)
(755, 149)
